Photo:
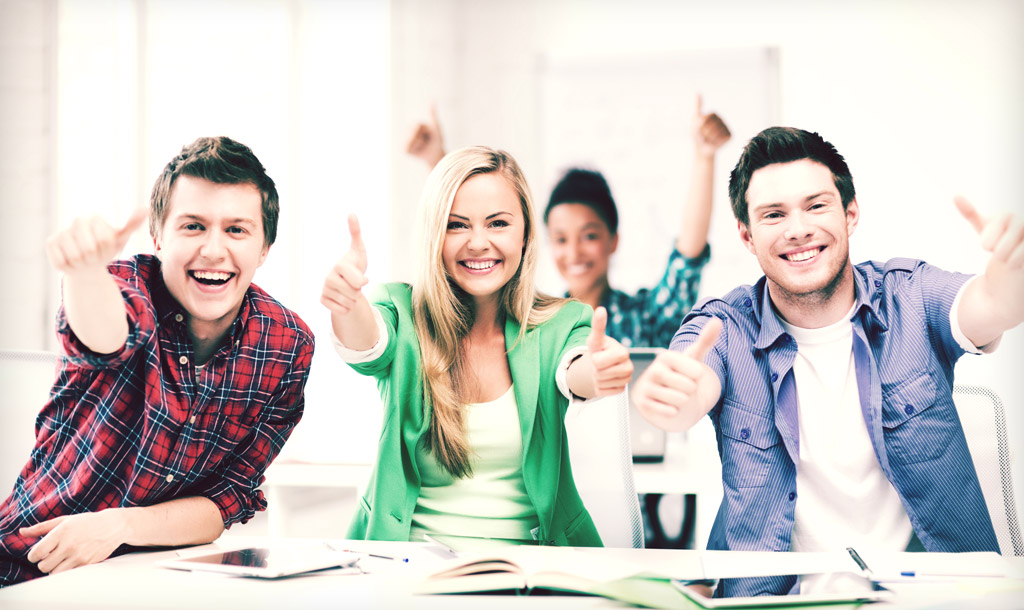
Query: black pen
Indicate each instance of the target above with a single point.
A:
(856, 557)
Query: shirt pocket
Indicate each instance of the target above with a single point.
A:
(917, 427)
(749, 446)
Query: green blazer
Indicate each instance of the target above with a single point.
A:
(386, 510)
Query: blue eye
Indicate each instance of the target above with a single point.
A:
(455, 224)
(500, 223)
(193, 226)
(237, 230)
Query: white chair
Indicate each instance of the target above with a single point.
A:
(984, 421)
(25, 379)
(602, 467)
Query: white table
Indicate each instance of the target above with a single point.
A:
(134, 581)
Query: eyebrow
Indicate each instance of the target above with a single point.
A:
(230, 221)
(488, 218)
(769, 206)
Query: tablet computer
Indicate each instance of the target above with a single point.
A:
(267, 562)
(700, 592)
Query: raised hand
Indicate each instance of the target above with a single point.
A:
(612, 366)
(90, 243)
(426, 142)
(1001, 235)
(344, 283)
(677, 389)
(709, 130)
(995, 303)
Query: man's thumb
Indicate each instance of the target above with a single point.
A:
(705, 340)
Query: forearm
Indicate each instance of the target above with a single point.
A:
(693, 234)
(991, 304)
(193, 520)
(357, 330)
(95, 310)
(580, 377)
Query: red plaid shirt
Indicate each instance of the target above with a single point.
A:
(143, 426)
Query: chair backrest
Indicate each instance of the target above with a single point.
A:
(25, 378)
(602, 467)
(984, 422)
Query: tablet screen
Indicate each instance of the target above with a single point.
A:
(847, 588)
(267, 562)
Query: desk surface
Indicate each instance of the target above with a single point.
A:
(135, 581)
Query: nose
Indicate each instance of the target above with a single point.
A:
(478, 240)
(797, 227)
(213, 246)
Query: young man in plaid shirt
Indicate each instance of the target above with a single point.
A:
(180, 380)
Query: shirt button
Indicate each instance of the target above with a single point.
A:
(170, 478)
(878, 283)
(746, 302)
(745, 433)
(909, 409)
(775, 377)
(178, 317)
(192, 419)
(792, 496)
(183, 360)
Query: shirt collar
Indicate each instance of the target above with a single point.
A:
(867, 287)
(169, 311)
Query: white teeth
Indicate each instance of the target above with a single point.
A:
(480, 265)
(212, 275)
(802, 256)
(577, 269)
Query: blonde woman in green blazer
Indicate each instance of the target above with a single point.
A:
(475, 368)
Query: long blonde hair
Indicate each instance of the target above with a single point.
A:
(443, 313)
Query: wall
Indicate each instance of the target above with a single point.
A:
(27, 77)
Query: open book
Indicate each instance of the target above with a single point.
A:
(525, 568)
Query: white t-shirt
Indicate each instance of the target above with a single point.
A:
(843, 496)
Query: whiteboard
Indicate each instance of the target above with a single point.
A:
(630, 119)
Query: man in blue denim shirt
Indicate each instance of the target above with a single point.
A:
(830, 384)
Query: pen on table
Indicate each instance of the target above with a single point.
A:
(856, 557)
(374, 555)
(438, 543)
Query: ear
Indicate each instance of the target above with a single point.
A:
(615, 244)
(263, 256)
(852, 216)
(745, 236)
(156, 246)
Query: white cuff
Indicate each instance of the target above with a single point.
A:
(954, 326)
(356, 356)
(561, 373)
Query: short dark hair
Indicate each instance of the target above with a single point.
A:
(589, 188)
(785, 145)
(223, 161)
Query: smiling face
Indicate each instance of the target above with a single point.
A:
(210, 245)
(581, 245)
(800, 233)
(484, 239)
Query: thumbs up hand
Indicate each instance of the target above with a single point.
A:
(995, 303)
(91, 243)
(344, 282)
(612, 366)
(678, 389)
(426, 142)
(709, 130)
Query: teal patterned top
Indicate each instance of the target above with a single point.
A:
(651, 317)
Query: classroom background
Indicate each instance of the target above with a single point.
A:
(923, 99)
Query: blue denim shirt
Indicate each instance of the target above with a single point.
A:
(904, 353)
